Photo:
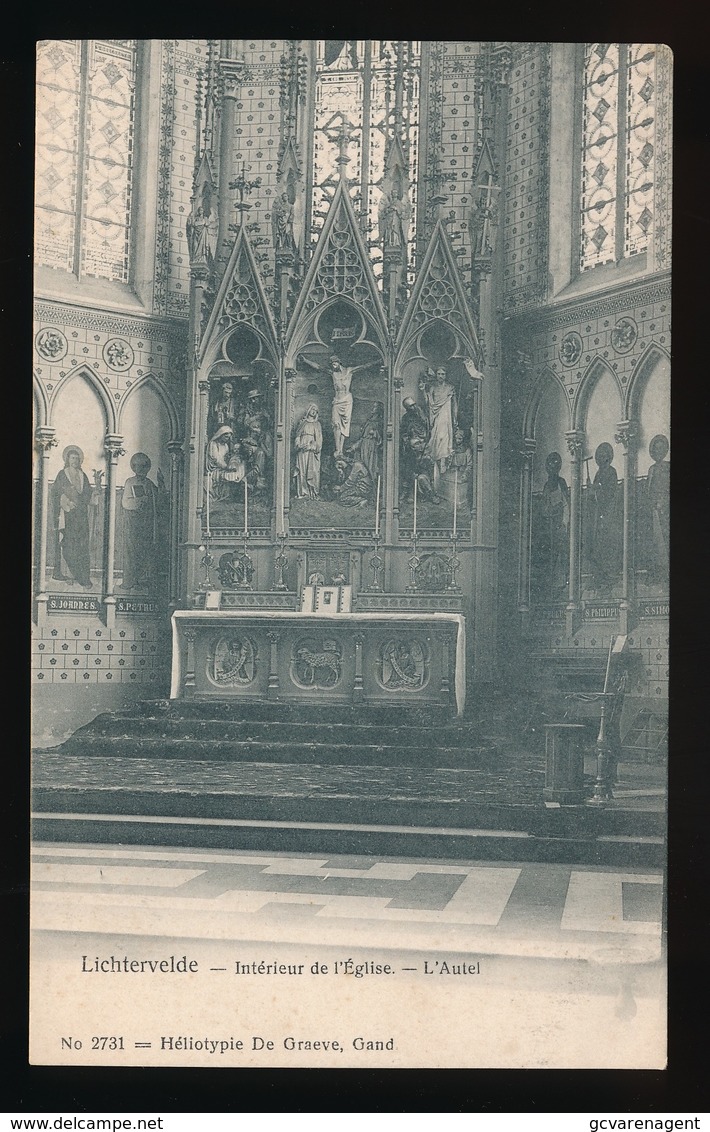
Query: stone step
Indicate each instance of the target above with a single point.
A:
(300, 731)
(263, 750)
(298, 801)
(464, 843)
(279, 710)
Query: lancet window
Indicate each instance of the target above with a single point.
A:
(618, 152)
(85, 131)
(365, 90)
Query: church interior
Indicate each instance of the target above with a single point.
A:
(351, 463)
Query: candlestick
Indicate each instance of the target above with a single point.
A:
(456, 496)
(246, 506)
(377, 507)
(414, 532)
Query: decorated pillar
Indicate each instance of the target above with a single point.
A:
(575, 447)
(285, 480)
(113, 444)
(176, 465)
(626, 436)
(526, 486)
(46, 441)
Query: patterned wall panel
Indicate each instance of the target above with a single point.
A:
(119, 350)
(525, 221)
(256, 143)
(87, 654)
(459, 138)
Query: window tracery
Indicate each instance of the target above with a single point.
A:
(85, 130)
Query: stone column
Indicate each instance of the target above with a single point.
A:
(575, 441)
(113, 444)
(273, 685)
(526, 485)
(285, 481)
(626, 436)
(46, 440)
(176, 458)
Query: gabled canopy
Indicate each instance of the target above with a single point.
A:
(340, 268)
(439, 294)
(240, 299)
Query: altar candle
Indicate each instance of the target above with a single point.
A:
(246, 506)
(377, 507)
(456, 496)
(415, 506)
(209, 492)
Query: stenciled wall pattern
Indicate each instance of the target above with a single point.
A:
(526, 182)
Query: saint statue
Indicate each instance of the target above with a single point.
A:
(442, 412)
(308, 444)
(225, 410)
(282, 223)
(201, 231)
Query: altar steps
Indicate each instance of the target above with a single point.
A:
(288, 778)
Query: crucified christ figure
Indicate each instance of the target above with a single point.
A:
(342, 396)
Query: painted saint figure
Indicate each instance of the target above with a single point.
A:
(72, 497)
(657, 511)
(141, 503)
(604, 531)
(551, 542)
(308, 444)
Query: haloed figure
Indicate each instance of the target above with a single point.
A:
(551, 541)
(658, 485)
(140, 503)
(605, 527)
(72, 497)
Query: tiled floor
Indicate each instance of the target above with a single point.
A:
(444, 963)
(541, 910)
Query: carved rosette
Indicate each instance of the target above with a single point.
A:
(118, 354)
(51, 344)
(570, 350)
(624, 335)
(403, 664)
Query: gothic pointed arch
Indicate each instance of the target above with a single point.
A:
(340, 269)
(153, 381)
(98, 387)
(544, 379)
(652, 355)
(439, 297)
(41, 401)
(597, 368)
(240, 301)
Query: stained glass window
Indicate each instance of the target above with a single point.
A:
(85, 127)
(618, 121)
(357, 92)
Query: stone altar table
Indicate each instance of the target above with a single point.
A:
(348, 658)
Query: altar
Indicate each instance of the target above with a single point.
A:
(375, 658)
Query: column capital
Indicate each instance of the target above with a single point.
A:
(575, 442)
(204, 386)
(625, 433)
(175, 448)
(46, 438)
(113, 443)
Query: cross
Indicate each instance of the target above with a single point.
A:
(342, 139)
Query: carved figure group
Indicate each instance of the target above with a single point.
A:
(241, 446)
(432, 440)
